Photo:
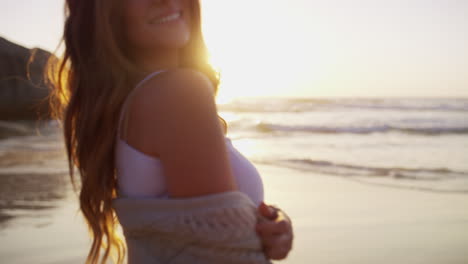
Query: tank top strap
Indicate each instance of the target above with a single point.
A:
(127, 99)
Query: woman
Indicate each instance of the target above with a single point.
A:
(136, 94)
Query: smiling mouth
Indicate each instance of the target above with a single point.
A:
(166, 19)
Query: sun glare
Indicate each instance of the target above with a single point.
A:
(258, 50)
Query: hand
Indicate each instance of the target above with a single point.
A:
(275, 233)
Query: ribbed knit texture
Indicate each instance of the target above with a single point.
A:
(215, 228)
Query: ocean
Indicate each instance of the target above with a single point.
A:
(412, 143)
(416, 143)
(420, 145)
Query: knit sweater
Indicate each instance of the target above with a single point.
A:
(208, 229)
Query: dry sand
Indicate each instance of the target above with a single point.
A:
(343, 221)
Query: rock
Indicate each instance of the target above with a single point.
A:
(22, 96)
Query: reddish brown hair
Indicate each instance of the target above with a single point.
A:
(89, 85)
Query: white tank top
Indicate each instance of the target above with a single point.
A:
(141, 175)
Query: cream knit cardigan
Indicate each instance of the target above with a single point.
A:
(216, 228)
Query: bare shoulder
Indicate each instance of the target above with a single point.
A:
(170, 100)
(176, 117)
(178, 84)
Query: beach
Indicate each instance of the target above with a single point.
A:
(335, 221)
(363, 180)
(342, 221)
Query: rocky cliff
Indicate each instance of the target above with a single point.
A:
(22, 89)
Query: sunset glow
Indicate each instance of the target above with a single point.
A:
(251, 49)
(338, 48)
(309, 48)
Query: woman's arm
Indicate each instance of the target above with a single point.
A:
(177, 118)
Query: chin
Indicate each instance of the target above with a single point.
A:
(174, 41)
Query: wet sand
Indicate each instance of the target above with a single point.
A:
(336, 220)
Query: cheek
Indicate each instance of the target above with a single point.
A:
(133, 22)
(187, 7)
(140, 34)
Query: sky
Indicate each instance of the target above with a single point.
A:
(308, 48)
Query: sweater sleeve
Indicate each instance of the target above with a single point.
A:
(215, 228)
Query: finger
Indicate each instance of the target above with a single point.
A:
(277, 241)
(271, 241)
(276, 254)
(277, 248)
(267, 211)
(268, 240)
(273, 227)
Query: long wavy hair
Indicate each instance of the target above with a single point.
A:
(89, 84)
